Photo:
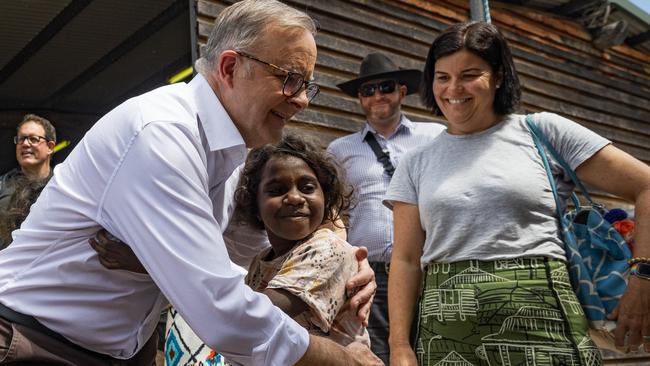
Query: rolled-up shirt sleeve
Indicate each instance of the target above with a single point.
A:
(157, 201)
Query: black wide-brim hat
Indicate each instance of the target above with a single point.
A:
(378, 66)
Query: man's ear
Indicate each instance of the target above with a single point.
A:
(226, 66)
(50, 145)
(402, 90)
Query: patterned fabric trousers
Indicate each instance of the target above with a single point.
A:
(506, 312)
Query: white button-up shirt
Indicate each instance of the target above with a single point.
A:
(153, 172)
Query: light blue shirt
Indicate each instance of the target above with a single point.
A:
(371, 223)
(155, 172)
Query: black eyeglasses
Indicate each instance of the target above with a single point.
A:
(292, 82)
(384, 87)
(31, 139)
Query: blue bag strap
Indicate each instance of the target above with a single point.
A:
(547, 166)
(540, 139)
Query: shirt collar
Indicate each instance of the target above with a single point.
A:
(405, 124)
(220, 130)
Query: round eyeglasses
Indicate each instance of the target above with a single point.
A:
(31, 139)
(292, 82)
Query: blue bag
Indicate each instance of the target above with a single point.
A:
(597, 254)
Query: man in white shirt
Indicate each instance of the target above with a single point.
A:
(152, 172)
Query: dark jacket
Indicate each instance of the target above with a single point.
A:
(6, 188)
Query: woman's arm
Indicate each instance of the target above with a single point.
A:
(618, 173)
(404, 281)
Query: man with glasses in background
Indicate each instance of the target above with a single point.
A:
(35, 139)
(154, 172)
(369, 158)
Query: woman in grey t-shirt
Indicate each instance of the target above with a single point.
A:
(475, 222)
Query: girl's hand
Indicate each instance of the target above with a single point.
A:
(632, 316)
(402, 355)
(363, 283)
(113, 254)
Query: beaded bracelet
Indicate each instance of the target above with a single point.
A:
(636, 260)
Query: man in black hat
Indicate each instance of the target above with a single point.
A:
(369, 158)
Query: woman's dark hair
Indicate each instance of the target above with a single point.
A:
(338, 195)
(25, 194)
(485, 41)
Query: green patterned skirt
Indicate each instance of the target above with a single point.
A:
(506, 312)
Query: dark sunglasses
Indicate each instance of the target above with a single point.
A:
(384, 87)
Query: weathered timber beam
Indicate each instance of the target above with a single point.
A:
(638, 39)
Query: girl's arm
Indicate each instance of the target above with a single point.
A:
(618, 173)
(404, 281)
(114, 254)
(290, 304)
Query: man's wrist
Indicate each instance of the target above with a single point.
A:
(320, 351)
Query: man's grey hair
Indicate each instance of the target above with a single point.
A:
(242, 24)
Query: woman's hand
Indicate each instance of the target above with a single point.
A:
(402, 355)
(113, 254)
(365, 286)
(632, 316)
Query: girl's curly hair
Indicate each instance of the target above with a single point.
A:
(338, 195)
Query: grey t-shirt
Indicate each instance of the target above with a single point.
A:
(486, 195)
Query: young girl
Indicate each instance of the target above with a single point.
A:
(290, 190)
